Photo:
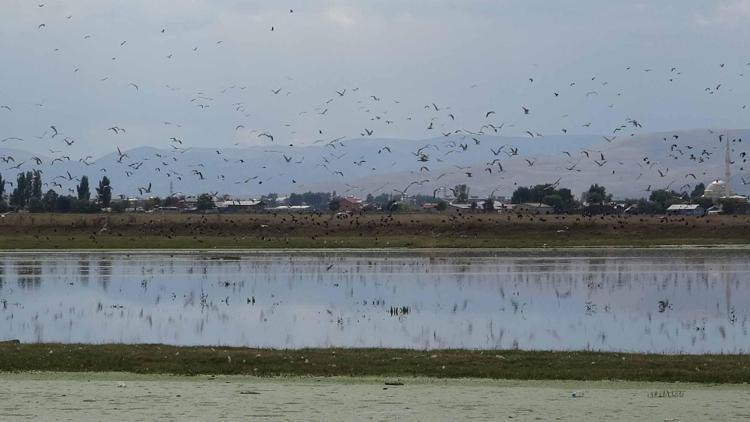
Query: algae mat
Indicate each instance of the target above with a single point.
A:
(83, 396)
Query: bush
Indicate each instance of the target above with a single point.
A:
(734, 206)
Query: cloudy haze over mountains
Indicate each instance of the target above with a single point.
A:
(631, 166)
(209, 95)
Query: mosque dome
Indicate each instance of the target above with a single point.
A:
(716, 189)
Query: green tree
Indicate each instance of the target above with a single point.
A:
(334, 204)
(462, 194)
(698, 191)
(706, 203)
(441, 205)
(152, 203)
(521, 195)
(64, 203)
(36, 185)
(84, 194)
(734, 206)
(562, 199)
(596, 195)
(663, 198)
(205, 202)
(35, 205)
(488, 205)
(296, 199)
(22, 192)
(104, 192)
(170, 201)
(50, 200)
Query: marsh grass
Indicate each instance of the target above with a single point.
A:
(493, 364)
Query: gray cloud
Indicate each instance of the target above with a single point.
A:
(416, 53)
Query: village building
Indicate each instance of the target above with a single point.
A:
(686, 210)
(350, 203)
(237, 205)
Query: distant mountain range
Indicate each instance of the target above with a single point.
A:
(627, 166)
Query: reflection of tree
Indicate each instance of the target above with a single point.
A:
(104, 270)
(29, 274)
(84, 271)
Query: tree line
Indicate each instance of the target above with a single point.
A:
(27, 194)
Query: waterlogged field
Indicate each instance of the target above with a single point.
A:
(660, 301)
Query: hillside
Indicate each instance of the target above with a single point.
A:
(627, 166)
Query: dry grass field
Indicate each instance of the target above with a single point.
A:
(426, 230)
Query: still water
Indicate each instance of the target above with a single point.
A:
(663, 301)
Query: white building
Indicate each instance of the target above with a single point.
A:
(716, 190)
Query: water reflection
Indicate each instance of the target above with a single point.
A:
(647, 301)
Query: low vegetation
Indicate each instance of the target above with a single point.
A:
(500, 364)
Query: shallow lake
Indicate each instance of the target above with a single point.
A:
(663, 301)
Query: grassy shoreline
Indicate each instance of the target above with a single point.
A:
(326, 231)
(491, 364)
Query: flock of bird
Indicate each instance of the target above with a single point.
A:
(431, 163)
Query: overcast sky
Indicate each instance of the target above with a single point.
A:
(466, 57)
